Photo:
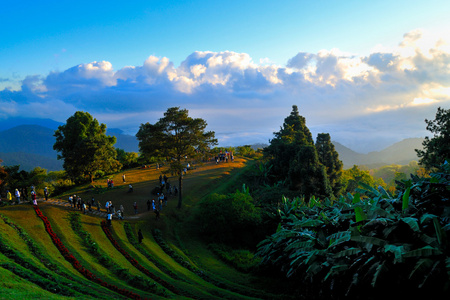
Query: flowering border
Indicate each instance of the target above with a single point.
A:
(134, 262)
(75, 263)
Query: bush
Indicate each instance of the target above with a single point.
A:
(368, 243)
(230, 219)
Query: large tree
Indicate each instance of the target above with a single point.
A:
(85, 147)
(329, 157)
(294, 160)
(436, 149)
(175, 137)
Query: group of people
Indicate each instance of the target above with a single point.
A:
(224, 157)
(21, 195)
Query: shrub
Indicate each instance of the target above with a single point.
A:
(229, 219)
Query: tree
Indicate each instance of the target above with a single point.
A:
(329, 157)
(175, 137)
(436, 149)
(85, 147)
(294, 159)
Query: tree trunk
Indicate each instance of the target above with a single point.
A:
(180, 184)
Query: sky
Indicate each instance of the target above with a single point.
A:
(367, 72)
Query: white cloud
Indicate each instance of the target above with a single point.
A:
(243, 99)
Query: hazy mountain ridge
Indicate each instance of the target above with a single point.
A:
(400, 153)
(32, 145)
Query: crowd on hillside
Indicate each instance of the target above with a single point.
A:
(20, 195)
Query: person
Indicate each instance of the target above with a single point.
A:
(123, 178)
(135, 208)
(33, 197)
(130, 188)
(140, 236)
(17, 194)
(107, 206)
(70, 200)
(46, 193)
(119, 214)
(153, 205)
(109, 218)
(8, 196)
(84, 207)
(121, 209)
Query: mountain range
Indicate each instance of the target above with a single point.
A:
(30, 145)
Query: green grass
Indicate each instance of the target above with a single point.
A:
(205, 276)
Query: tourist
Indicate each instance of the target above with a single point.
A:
(140, 236)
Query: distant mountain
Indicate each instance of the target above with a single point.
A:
(17, 121)
(400, 153)
(32, 145)
(29, 161)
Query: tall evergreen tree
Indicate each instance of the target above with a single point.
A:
(436, 149)
(294, 159)
(329, 157)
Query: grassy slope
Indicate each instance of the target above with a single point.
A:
(174, 224)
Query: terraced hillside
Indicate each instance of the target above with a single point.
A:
(55, 251)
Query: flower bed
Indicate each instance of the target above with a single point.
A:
(135, 263)
(76, 264)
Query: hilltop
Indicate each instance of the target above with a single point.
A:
(171, 263)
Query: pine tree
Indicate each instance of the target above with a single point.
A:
(329, 157)
(294, 159)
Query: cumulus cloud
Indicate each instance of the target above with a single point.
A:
(355, 98)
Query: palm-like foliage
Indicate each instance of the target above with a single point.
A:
(362, 244)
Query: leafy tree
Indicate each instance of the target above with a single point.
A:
(85, 147)
(127, 159)
(329, 157)
(353, 177)
(294, 158)
(436, 149)
(175, 137)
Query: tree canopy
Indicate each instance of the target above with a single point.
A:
(294, 160)
(85, 147)
(175, 137)
(436, 149)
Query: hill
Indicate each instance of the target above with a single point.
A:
(400, 153)
(53, 251)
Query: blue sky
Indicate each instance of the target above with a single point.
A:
(367, 72)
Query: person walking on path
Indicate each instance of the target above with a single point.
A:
(140, 236)
(109, 218)
(46, 193)
(33, 197)
(17, 194)
(8, 196)
(123, 178)
(135, 208)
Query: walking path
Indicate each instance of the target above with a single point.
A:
(102, 213)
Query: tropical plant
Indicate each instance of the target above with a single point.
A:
(365, 244)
